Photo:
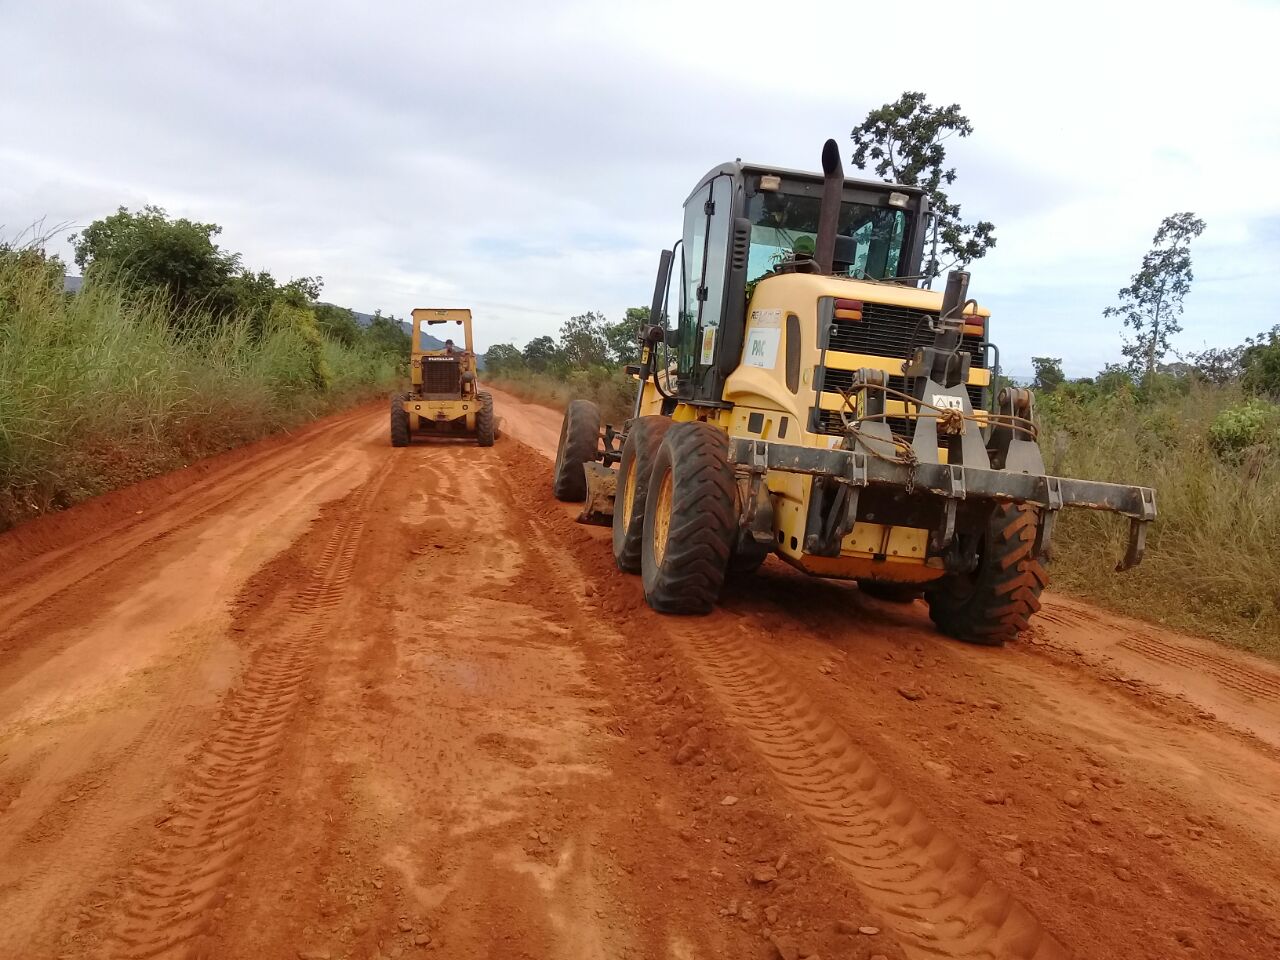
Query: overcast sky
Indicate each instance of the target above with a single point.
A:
(529, 159)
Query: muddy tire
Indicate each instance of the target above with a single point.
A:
(579, 443)
(690, 520)
(484, 421)
(891, 592)
(994, 603)
(636, 467)
(399, 421)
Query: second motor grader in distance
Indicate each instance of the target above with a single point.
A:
(813, 401)
(445, 398)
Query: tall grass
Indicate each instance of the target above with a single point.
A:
(611, 390)
(100, 389)
(1213, 554)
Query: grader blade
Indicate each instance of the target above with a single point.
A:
(602, 486)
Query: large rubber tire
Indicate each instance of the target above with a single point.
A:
(399, 421)
(690, 520)
(891, 592)
(484, 420)
(579, 443)
(994, 603)
(634, 470)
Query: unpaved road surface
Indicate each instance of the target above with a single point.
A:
(322, 698)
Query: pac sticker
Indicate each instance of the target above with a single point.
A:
(708, 346)
(945, 402)
(762, 347)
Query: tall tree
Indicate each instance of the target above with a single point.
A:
(1151, 305)
(903, 142)
(1049, 375)
(540, 353)
(624, 336)
(583, 341)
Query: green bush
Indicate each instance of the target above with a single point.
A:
(1249, 425)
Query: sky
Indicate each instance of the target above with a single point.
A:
(530, 160)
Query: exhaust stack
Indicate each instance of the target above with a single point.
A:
(829, 213)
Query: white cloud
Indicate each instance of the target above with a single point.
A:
(532, 161)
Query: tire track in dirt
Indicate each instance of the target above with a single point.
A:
(169, 897)
(941, 902)
(54, 575)
(1252, 683)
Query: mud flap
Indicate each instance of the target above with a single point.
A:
(602, 487)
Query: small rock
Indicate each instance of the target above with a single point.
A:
(1097, 819)
(748, 913)
(847, 927)
(685, 753)
(1153, 832)
(1032, 872)
(422, 939)
(911, 693)
(941, 769)
(729, 801)
(868, 931)
(314, 955)
(377, 884)
(1015, 857)
(1072, 798)
(764, 875)
(771, 916)
(1123, 875)
(405, 926)
(993, 797)
(1184, 937)
(786, 947)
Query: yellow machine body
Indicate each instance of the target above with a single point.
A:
(445, 386)
(771, 396)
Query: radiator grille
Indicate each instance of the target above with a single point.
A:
(886, 331)
(441, 375)
(838, 381)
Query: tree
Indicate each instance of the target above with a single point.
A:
(541, 353)
(503, 357)
(1261, 363)
(148, 249)
(388, 335)
(904, 142)
(623, 337)
(1152, 303)
(1049, 375)
(583, 342)
(337, 323)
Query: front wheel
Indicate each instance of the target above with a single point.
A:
(579, 443)
(690, 520)
(399, 422)
(995, 602)
(639, 453)
(484, 421)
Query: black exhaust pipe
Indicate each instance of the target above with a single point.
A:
(829, 213)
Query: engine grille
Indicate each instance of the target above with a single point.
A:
(839, 381)
(441, 376)
(886, 331)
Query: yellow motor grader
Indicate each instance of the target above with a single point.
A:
(446, 398)
(812, 400)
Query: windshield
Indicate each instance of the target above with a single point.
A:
(868, 239)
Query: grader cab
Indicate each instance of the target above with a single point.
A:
(812, 400)
(446, 398)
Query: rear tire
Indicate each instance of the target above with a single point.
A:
(690, 520)
(994, 603)
(891, 592)
(484, 421)
(399, 421)
(579, 443)
(634, 471)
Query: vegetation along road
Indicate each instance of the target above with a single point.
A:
(319, 697)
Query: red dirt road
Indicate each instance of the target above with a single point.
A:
(323, 698)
